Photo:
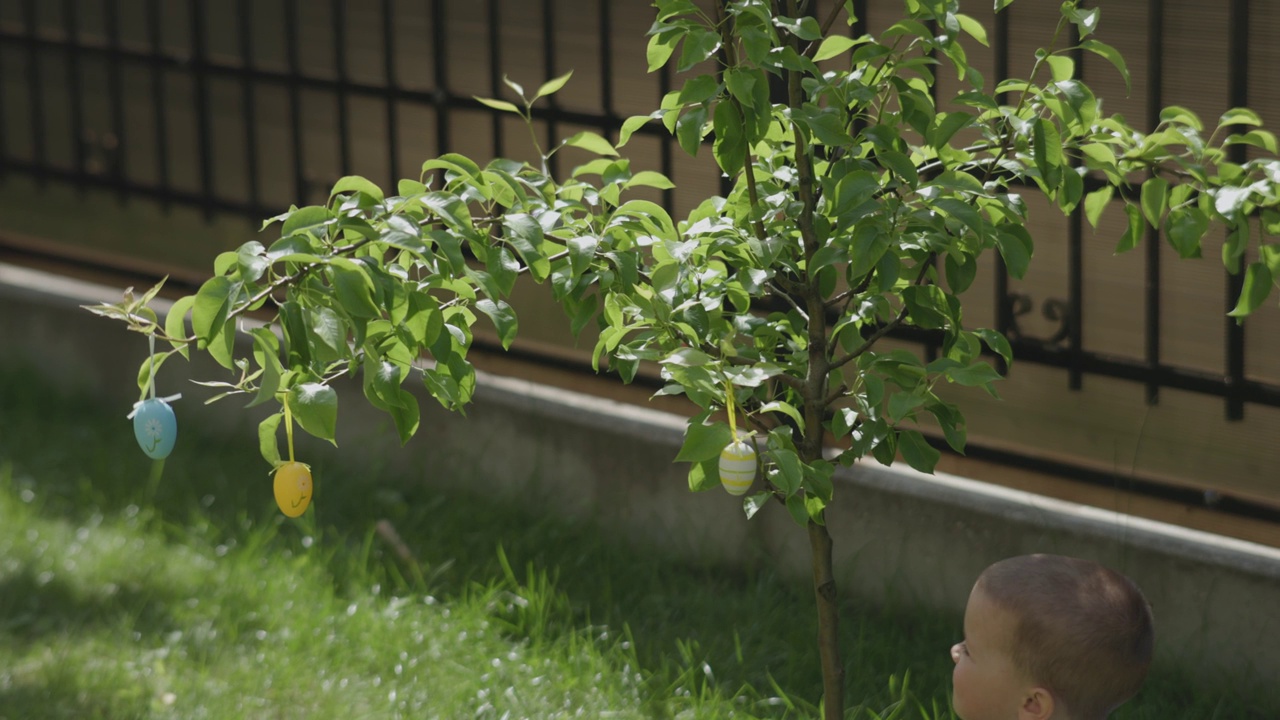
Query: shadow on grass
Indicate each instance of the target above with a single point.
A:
(740, 627)
(34, 607)
(62, 694)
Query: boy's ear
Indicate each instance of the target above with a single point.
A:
(1037, 705)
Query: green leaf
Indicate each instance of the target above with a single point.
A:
(649, 178)
(703, 442)
(704, 475)
(660, 47)
(175, 323)
(1240, 116)
(525, 235)
(1257, 138)
(503, 317)
(630, 126)
(918, 453)
(1096, 202)
(151, 364)
(406, 415)
(798, 511)
(306, 219)
(699, 45)
(702, 88)
(790, 473)
(552, 86)
(591, 142)
(730, 147)
(1257, 285)
(460, 165)
(1002, 4)
(269, 381)
(926, 306)
(210, 307)
(1133, 233)
(826, 124)
(974, 28)
(1086, 21)
(1111, 55)
(960, 271)
(805, 28)
(1016, 247)
(315, 407)
(501, 105)
(325, 327)
(689, 129)
(267, 444)
(1233, 249)
(997, 343)
(753, 503)
(834, 45)
(975, 375)
(355, 183)
(1185, 227)
(1047, 153)
(354, 291)
(1061, 67)
(1180, 115)
(786, 409)
(1155, 200)
(900, 165)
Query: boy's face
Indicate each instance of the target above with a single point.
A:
(985, 683)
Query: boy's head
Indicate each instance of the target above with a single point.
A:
(1048, 636)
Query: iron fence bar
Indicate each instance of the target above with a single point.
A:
(665, 158)
(440, 50)
(199, 77)
(1155, 101)
(549, 71)
(1075, 253)
(338, 8)
(115, 93)
(248, 98)
(1238, 81)
(4, 125)
(295, 99)
(1000, 55)
(495, 75)
(605, 17)
(76, 109)
(35, 97)
(389, 92)
(158, 101)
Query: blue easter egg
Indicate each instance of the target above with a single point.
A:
(155, 427)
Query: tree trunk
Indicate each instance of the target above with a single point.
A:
(824, 590)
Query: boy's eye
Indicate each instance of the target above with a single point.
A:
(964, 648)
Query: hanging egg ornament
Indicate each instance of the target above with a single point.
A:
(738, 466)
(155, 427)
(293, 488)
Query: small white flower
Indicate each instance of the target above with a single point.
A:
(153, 429)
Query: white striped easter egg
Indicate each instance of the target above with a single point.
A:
(737, 467)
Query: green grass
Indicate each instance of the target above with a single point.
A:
(191, 597)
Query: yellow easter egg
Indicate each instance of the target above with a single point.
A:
(293, 488)
(737, 467)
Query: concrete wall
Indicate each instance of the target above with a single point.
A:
(898, 533)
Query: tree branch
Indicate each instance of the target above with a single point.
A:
(887, 327)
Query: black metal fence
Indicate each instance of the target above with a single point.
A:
(215, 105)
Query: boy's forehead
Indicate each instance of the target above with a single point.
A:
(986, 620)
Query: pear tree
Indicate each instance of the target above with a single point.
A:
(859, 203)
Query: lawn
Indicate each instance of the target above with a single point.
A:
(134, 591)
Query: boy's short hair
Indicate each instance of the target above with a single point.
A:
(1082, 630)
